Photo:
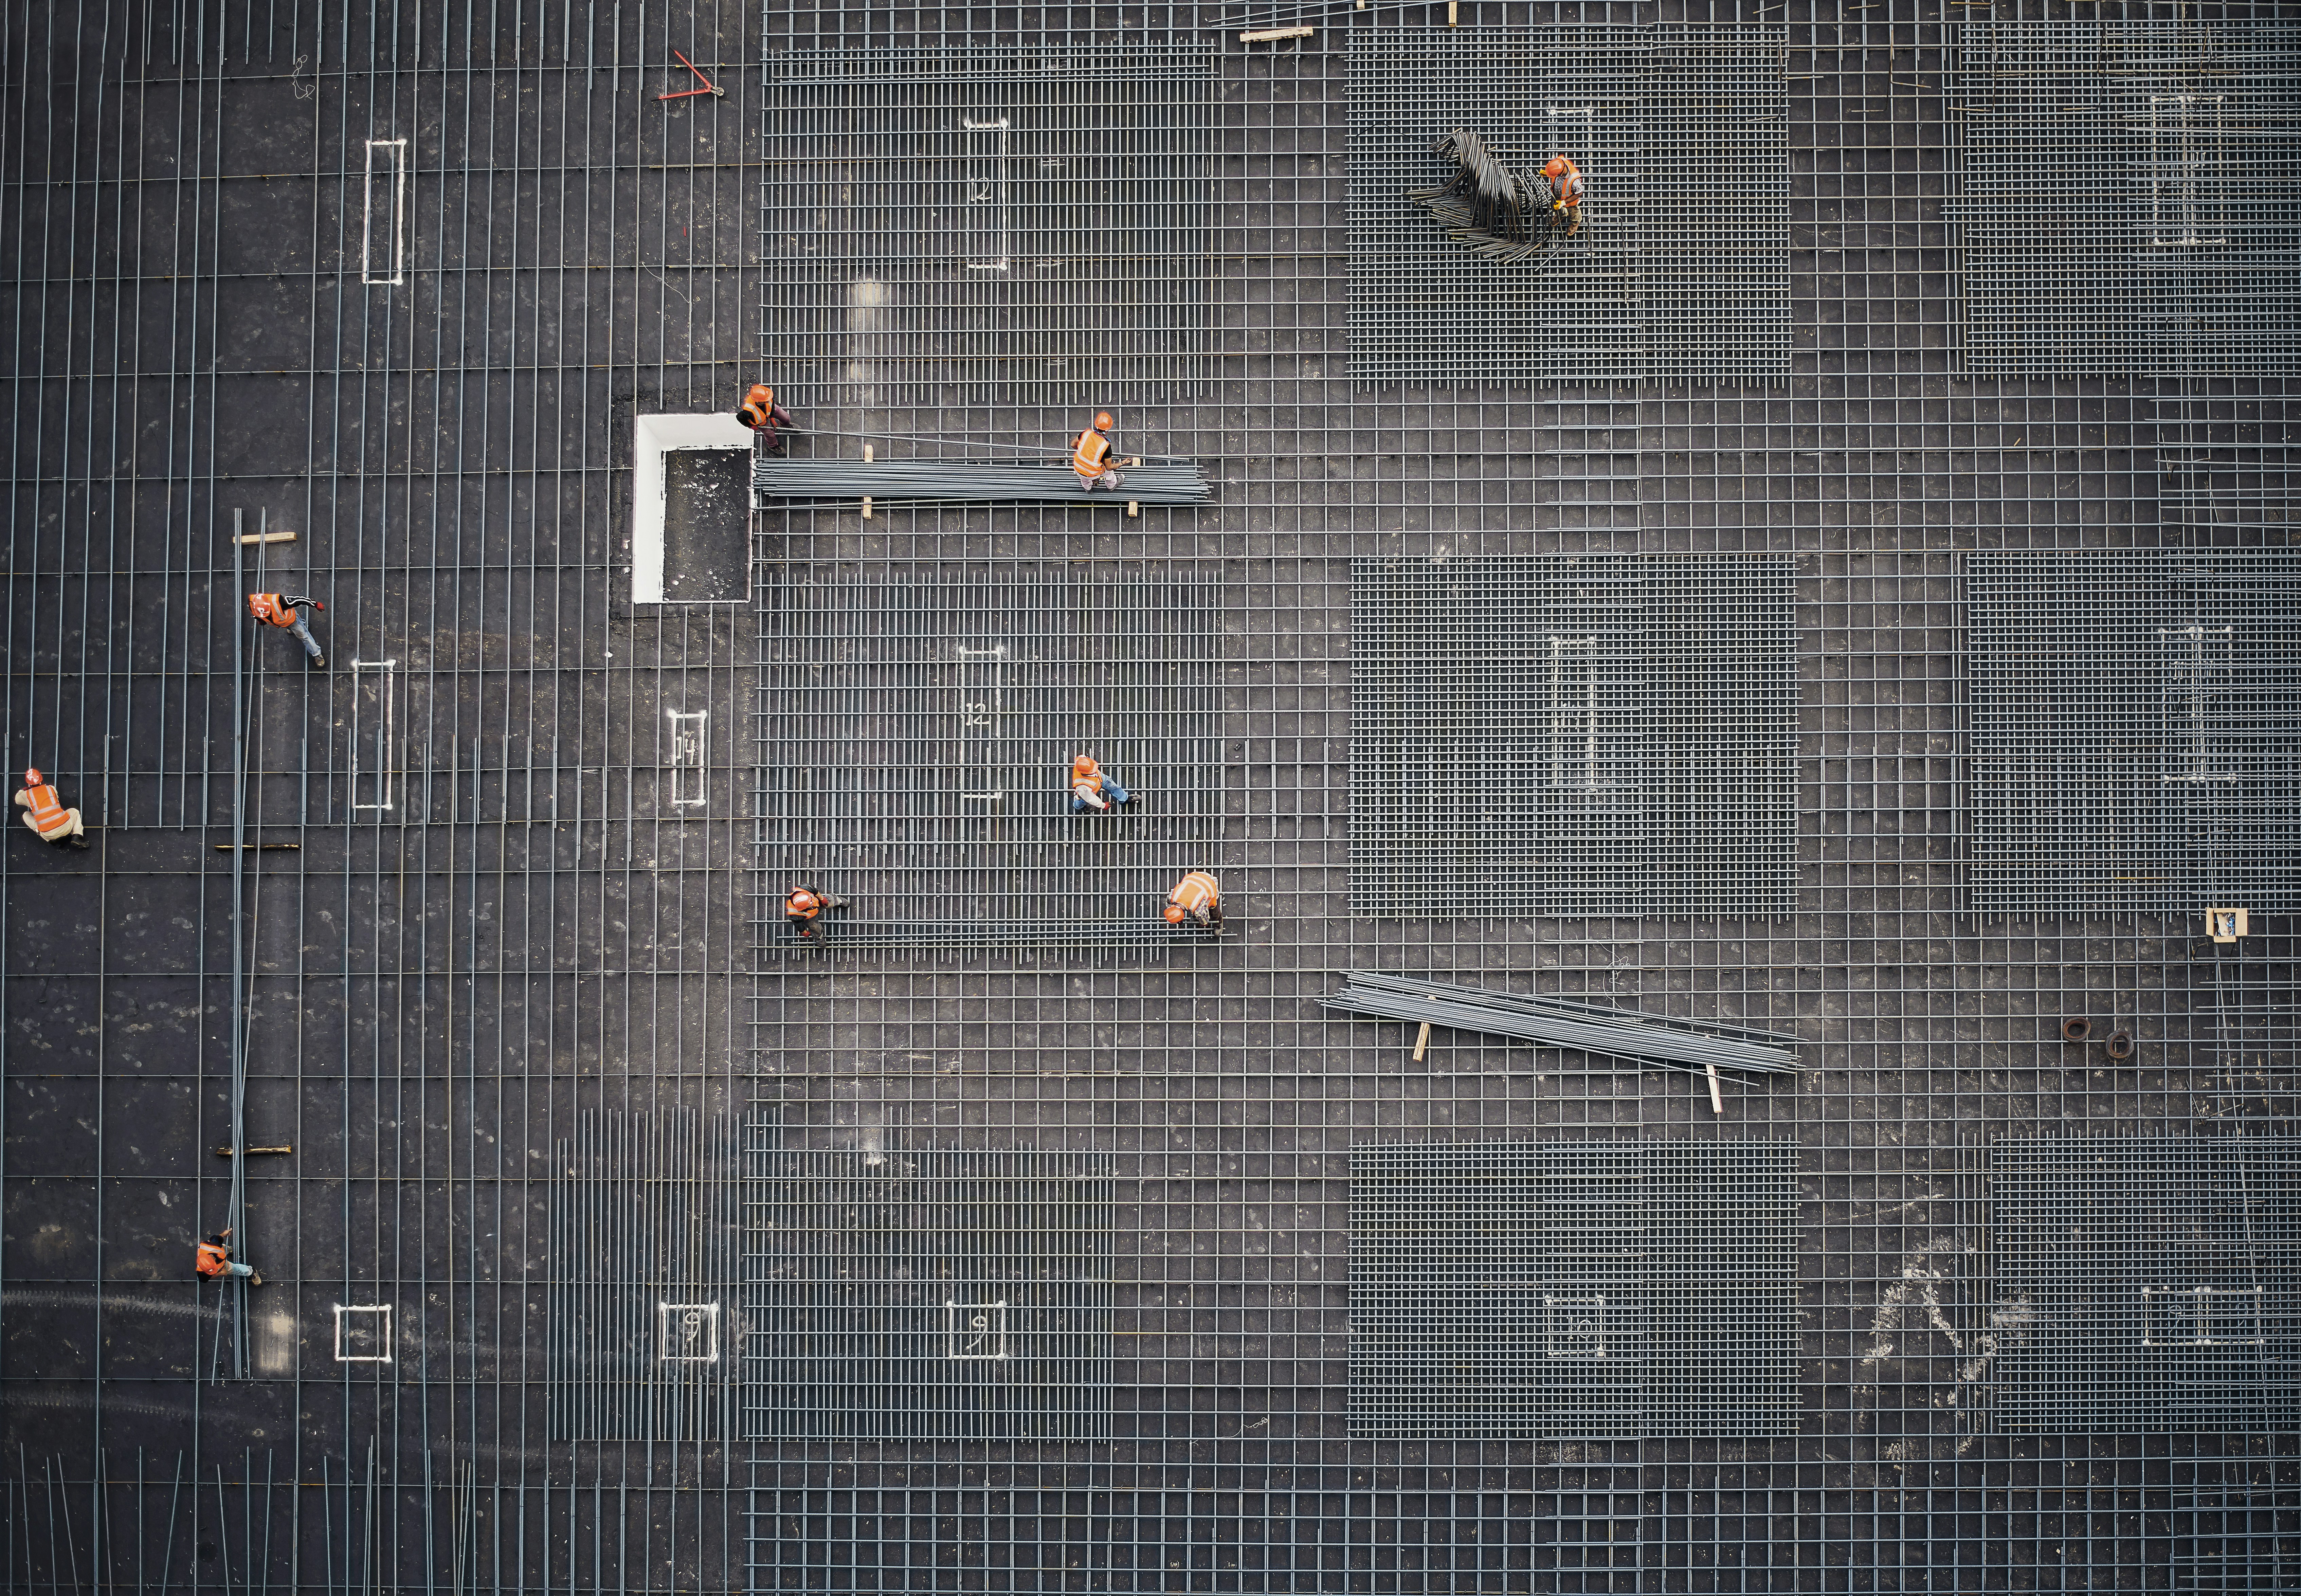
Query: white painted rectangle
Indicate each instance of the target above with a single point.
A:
(383, 226)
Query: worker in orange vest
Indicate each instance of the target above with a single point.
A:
(761, 413)
(46, 813)
(1090, 456)
(1565, 192)
(803, 905)
(281, 610)
(214, 1260)
(1095, 788)
(1197, 897)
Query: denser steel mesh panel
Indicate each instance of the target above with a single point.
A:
(990, 226)
(1529, 1289)
(1610, 734)
(917, 739)
(1682, 266)
(2147, 1283)
(2130, 196)
(928, 1295)
(2134, 734)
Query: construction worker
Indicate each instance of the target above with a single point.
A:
(282, 610)
(1092, 458)
(46, 813)
(1196, 896)
(1565, 192)
(761, 413)
(214, 1260)
(805, 904)
(1095, 788)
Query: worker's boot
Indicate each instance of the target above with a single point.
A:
(256, 1280)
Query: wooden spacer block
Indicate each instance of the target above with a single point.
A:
(866, 509)
(1264, 36)
(1134, 507)
(1421, 1041)
(266, 538)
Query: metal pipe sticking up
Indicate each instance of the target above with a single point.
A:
(1555, 1023)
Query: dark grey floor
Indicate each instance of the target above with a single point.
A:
(424, 1000)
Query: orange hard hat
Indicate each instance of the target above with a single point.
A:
(801, 899)
(31, 778)
(1174, 913)
(1556, 167)
(1083, 766)
(1103, 421)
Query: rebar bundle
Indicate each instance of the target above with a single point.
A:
(1172, 483)
(1555, 1022)
(1499, 215)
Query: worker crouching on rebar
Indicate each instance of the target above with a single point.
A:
(1095, 788)
(46, 813)
(1565, 192)
(805, 906)
(1197, 898)
(284, 611)
(1092, 458)
(761, 413)
(213, 1261)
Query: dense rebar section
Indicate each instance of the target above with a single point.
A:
(916, 740)
(1611, 734)
(1550, 1023)
(1682, 266)
(929, 1296)
(2130, 196)
(984, 226)
(775, 481)
(2147, 1283)
(2135, 737)
(1584, 1289)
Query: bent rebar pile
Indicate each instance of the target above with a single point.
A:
(1498, 213)
(1555, 1022)
(1181, 483)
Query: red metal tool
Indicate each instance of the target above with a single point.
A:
(708, 86)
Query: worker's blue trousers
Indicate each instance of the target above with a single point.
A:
(1111, 791)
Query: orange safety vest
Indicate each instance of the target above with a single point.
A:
(267, 607)
(802, 904)
(48, 813)
(1086, 778)
(1196, 892)
(1569, 187)
(758, 406)
(214, 1260)
(1091, 455)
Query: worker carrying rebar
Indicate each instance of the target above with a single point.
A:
(761, 413)
(46, 813)
(285, 611)
(1095, 788)
(1092, 458)
(806, 905)
(213, 1261)
(1565, 192)
(1196, 898)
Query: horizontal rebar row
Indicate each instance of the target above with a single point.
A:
(774, 481)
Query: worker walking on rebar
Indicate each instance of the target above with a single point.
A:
(284, 610)
(761, 413)
(806, 905)
(213, 1261)
(1565, 192)
(46, 813)
(1092, 458)
(1196, 898)
(1095, 788)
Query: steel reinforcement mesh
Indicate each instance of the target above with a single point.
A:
(425, 998)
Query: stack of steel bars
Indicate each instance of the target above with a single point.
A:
(1554, 1022)
(1171, 483)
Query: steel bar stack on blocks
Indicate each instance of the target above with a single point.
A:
(1554, 1022)
(775, 482)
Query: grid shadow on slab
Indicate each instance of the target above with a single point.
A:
(644, 1231)
(2135, 743)
(916, 745)
(928, 1295)
(981, 226)
(2147, 1283)
(2130, 195)
(1611, 734)
(1682, 267)
(1574, 1289)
